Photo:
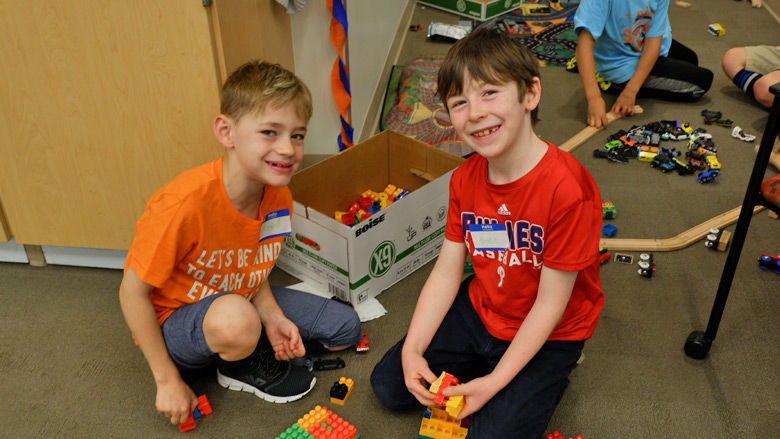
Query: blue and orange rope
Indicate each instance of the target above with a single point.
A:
(339, 75)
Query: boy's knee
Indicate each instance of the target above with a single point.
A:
(387, 388)
(348, 331)
(233, 321)
(733, 61)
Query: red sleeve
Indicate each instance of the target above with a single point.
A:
(572, 238)
(454, 230)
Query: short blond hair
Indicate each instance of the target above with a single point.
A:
(256, 84)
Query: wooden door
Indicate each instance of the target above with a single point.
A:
(103, 102)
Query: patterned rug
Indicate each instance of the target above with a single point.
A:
(550, 37)
(411, 106)
(413, 109)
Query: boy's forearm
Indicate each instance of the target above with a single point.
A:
(555, 289)
(266, 304)
(586, 65)
(436, 297)
(142, 321)
(651, 49)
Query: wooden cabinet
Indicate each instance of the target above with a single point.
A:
(105, 101)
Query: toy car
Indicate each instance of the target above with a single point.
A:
(646, 265)
(713, 162)
(363, 346)
(707, 177)
(608, 210)
(323, 364)
(711, 116)
(716, 29)
(767, 262)
(646, 156)
(611, 155)
(737, 133)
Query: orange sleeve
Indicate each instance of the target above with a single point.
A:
(162, 237)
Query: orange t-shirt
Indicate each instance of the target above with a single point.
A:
(191, 242)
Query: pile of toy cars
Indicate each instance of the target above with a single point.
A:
(643, 143)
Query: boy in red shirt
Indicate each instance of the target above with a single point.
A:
(195, 290)
(529, 216)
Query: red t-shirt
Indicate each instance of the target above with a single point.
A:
(553, 219)
(191, 242)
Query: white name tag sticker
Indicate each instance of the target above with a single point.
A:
(276, 224)
(489, 236)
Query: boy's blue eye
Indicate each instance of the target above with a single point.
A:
(298, 136)
(268, 132)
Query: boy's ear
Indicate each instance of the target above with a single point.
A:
(223, 130)
(533, 94)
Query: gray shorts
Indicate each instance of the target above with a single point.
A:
(762, 59)
(326, 321)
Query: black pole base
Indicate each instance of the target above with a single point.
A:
(697, 345)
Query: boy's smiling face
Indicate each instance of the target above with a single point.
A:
(267, 148)
(490, 118)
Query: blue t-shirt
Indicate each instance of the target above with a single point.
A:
(619, 28)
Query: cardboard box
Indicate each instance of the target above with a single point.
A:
(357, 263)
(477, 9)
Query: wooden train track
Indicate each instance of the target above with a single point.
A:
(682, 240)
(588, 132)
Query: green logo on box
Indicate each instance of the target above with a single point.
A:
(381, 259)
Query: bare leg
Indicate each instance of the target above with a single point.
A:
(733, 61)
(232, 327)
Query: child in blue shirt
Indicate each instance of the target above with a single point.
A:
(629, 43)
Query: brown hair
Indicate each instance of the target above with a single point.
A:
(256, 84)
(489, 56)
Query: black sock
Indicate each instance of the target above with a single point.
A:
(744, 79)
(313, 347)
(243, 363)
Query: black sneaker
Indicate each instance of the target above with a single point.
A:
(268, 378)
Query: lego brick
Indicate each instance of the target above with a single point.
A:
(320, 423)
(203, 409)
(341, 390)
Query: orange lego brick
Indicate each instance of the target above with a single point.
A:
(341, 390)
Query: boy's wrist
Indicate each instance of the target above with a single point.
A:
(166, 376)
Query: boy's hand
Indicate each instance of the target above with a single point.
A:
(175, 400)
(285, 339)
(624, 104)
(476, 392)
(597, 112)
(417, 377)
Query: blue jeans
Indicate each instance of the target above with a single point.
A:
(326, 321)
(463, 347)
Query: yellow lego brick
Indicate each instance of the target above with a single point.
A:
(454, 405)
(435, 385)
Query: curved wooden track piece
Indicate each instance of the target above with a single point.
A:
(589, 131)
(682, 240)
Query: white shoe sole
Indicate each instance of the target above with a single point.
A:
(232, 384)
